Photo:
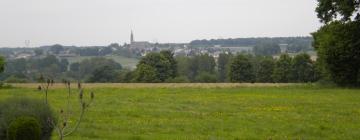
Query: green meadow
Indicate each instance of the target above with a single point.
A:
(211, 113)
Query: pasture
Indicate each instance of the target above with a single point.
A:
(209, 111)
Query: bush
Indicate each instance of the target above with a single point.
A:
(15, 79)
(205, 77)
(24, 128)
(179, 79)
(16, 107)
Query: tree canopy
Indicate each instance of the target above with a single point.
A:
(338, 46)
(338, 41)
(330, 10)
(241, 70)
(156, 67)
(282, 70)
(2, 64)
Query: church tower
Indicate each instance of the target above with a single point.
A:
(131, 37)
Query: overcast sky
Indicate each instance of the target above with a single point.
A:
(101, 22)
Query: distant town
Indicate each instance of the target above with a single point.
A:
(137, 49)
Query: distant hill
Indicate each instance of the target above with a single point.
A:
(236, 42)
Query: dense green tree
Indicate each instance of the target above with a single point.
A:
(104, 74)
(282, 71)
(183, 65)
(303, 68)
(329, 10)
(18, 68)
(337, 42)
(64, 64)
(146, 73)
(2, 64)
(161, 64)
(105, 51)
(88, 66)
(223, 66)
(38, 52)
(267, 49)
(178, 79)
(193, 66)
(56, 49)
(338, 47)
(241, 70)
(206, 63)
(205, 77)
(173, 63)
(265, 69)
(75, 67)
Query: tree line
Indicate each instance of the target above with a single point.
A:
(240, 68)
(164, 67)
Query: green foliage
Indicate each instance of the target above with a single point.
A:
(205, 77)
(338, 47)
(264, 70)
(75, 67)
(173, 64)
(282, 70)
(104, 74)
(303, 69)
(241, 70)
(329, 10)
(193, 66)
(223, 66)
(16, 79)
(88, 66)
(236, 42)
(2, 64)
(38, 52)
(146, 73)
(156, 67)
(13, 108)
(178, 79)
(205, 63)
(267, 49)
(183, 64)
(24, 128)
(337, 42)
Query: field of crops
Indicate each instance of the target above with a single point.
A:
(209, 111)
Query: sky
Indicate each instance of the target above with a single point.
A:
(102, 22)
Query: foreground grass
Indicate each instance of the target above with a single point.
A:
(182, 113)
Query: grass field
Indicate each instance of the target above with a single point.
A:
(190, 112)
(124, 61)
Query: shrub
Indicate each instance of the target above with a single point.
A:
(24, 128)
(179, 79)
(15, 79)
(16, 107)
(205, 77)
